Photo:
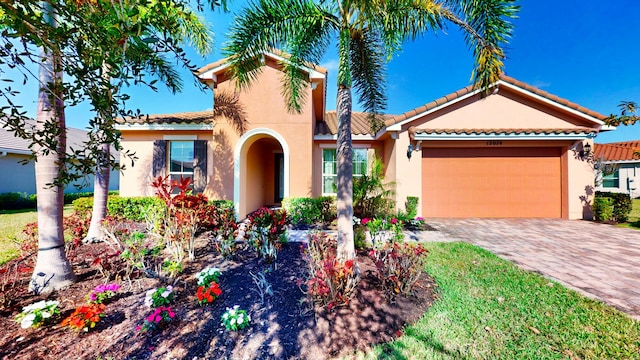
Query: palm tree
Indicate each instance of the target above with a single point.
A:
(368, 33)
(52, 270)
(187, 28)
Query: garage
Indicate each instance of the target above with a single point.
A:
(492, 182)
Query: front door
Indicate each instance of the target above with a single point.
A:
(278, 192)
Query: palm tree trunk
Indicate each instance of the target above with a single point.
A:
(52, 270)
(100, 196)
(344, 154)
(101, 180)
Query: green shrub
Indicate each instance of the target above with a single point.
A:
(372, 197)
(327, 206)
(302, 211)
(83, 204)
(411, 207)
(306, 211)
(16, 201)
(133, 208)
(612, 206)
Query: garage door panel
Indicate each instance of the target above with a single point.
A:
(492, 182)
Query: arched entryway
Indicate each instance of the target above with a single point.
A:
(261, 170)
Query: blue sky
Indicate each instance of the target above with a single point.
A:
(579, 50)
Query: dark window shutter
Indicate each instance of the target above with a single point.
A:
(159, 158)
(199, 165)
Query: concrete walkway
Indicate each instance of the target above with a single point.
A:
(599, 261)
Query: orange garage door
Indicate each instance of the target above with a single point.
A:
(492, 182)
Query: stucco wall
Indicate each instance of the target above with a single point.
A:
(22, 178)
(136, 180)
(503, 110)
(17, 177)
(626, 172)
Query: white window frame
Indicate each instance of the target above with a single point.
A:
(615, 177)
(325, 174)
(183, 173)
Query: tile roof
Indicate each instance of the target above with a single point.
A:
(276, 52)
(576, 130)
(196, 117)
(622, 151)
(360, 124)
(75, 139)
(507, 79)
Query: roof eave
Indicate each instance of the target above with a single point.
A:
(165, 127)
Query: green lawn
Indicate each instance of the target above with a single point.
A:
(11, 224)
(488, 308)
(634, 216)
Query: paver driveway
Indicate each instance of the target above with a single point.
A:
(600, 261)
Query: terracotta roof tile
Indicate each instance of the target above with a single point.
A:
(277, 52)
(197, 117)
(576, 130)
(617, 151)
(359, 124)
(507, 79)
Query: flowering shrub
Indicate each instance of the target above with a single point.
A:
(85, 317)
(331, 282)
(37, 313)
(265, 232)
(225, 228)
(159, 318)
(207, 276)
(207, 293)
(159, 297)
(103, 292)
(235, 318)
(399, 266)
(379, 230)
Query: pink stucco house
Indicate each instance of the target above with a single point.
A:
(516, 153)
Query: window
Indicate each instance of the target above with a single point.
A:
(186, 158)
(181, 159)
(330, 168)
(611, 180)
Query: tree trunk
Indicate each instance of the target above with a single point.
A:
(344, 154)
(100, 196)
(52, 270)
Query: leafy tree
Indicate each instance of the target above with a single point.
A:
(628, 115)
(367, 34)
(187, 28)
(102, 55)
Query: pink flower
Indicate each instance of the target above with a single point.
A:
(365, 221)
(394, 221)
(158, 318)
(138, 328)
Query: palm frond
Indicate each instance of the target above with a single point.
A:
(270, 24)
(368, 68)
(487, 29)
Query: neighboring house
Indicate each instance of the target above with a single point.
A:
(625, 177)
(516, 153)
(17, 177)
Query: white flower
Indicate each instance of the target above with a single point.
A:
(46, 314)
(225, 316)
(39, 305)
(27, 321)
(233, 321)
(166, 293)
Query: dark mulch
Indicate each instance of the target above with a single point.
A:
(284, 326)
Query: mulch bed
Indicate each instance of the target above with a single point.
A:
(285, 325)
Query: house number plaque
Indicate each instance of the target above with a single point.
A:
(494, 142)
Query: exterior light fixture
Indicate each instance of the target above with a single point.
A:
(586, 151)
(409, 151)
